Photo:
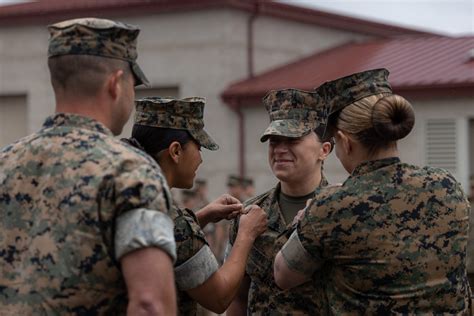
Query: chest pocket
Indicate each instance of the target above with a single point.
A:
(188, 235)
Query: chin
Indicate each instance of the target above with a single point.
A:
(282, 176)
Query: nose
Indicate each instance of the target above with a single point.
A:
(280, 147)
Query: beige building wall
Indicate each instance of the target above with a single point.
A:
(194, 53)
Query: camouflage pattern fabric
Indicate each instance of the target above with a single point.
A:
(185, 114)
(189, 240)
(293, 113)
(341, 92)
(265, 297)
(97, 37)
(61, 191)
(395, 237)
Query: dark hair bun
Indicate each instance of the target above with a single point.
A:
(393, 117)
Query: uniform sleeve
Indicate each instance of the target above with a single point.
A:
(310, 232)
(196, 263)
(141, 204)
(296, 256)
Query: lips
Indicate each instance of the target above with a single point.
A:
(282, 160)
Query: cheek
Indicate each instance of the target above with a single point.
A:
(196, 159)
(270, 153)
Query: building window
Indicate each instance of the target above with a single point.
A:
(441, 144)
(447, 147)
(148, 92)
(13, 118)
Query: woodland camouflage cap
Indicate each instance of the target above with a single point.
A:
(97, 37)
(341, 92)
(293, 113)
(185, 114)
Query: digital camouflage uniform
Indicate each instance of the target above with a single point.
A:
(195, 263)
(62, 191)
(70, 199)
(265, 297)
(394, 235)
(293, 113)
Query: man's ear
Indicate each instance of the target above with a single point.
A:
(114, 83)
(325, 150)
(345, 141)
(175, 151)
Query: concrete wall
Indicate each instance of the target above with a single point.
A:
(278, 42)
(194, 53)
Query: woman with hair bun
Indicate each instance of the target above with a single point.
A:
(394, 234)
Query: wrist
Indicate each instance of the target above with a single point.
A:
(245, 236)
(203, 217)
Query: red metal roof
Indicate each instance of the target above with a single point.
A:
(415, 64)
(48, 11)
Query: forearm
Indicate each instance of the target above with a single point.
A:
(148, 307)
(218, 291)
(204, 217)
(233, 270)
(238, 306)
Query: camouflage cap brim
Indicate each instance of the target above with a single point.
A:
(140, 78)
(287, 128)
(203, 138)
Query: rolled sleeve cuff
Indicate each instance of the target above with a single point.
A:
(196, 270)
(297, 258)
(142, 228)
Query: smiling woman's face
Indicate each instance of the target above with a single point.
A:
(293, 159)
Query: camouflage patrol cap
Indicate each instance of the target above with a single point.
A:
(97, 37)
(246, 181)
(234, 180)
(185, 114)
(341, 92)
(293, 113)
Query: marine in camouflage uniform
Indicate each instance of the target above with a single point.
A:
(196, 262)
(394, 235)
(71, 196)
(293, 113)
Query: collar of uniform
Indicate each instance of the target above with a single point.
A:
(275, 218)
(74, 120)
(373, 165)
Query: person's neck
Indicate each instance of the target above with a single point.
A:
(92, 108)
(364, 156)
(301, 187)
(167, 172)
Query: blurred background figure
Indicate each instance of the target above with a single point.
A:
(189, 199)
(248, 187)
(235, 187)
(200, 187)
(201, 200)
